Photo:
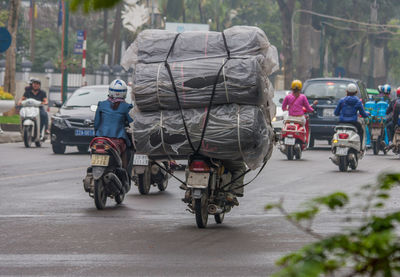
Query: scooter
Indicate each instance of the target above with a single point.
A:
(395, 147)
(207, 184)
(147, 173)
(294, 137)
(106, 177)
(346, 146)
(30, 122)
(378, 135)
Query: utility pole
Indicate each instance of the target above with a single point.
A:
(32, 43)
(322, 50)
(64, 51)
(371, 71)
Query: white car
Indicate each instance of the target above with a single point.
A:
(277, 121)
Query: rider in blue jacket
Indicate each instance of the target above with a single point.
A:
(112, 117)
(349, 107)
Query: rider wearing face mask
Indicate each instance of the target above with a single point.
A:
(34, 91)
(112, 117)
(349, 107)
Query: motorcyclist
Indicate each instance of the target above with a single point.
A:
(384, 92)
(297, 104)
(34, 91)
(112, 117)
(392, 115)
(348, 109)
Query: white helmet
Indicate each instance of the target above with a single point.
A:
(117, 89)
(351, 88)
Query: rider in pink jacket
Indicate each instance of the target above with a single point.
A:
(296, 102)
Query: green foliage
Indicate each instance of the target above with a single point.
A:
(13, 119)
(92, 5)
(3, 17)
(372, 248)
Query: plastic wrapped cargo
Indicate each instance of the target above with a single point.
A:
(241, 81)
(152, 46)
(234, 132)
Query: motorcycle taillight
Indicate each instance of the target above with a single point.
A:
(100, 148)
(291, 127)
(199, 166)
(343, 136)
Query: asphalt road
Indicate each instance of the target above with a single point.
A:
(50, 227)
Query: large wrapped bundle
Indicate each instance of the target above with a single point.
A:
(233, 132)
(241, 81)
(152, 46)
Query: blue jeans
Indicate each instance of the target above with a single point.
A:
(44, 119)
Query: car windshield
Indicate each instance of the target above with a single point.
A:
(279, 96)
(326, 89)
(87, 96)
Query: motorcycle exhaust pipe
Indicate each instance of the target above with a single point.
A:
(214, 209)
(112, 179)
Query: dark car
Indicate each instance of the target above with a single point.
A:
(328, 92)
(73, 124)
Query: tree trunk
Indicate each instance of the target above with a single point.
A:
(286, 9)
(32, 42)
(305, 57)
(202, 20)
(9, 78)
(117, 35)
(105, 32)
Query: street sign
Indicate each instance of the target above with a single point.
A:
(5, 39)
(80, 35)
(78, 48)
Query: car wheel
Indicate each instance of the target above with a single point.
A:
(58, 148)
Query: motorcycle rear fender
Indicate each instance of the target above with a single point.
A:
(196, 193)
(98, 171)
(28, 122)
(139, 169)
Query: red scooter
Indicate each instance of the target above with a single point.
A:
(295, 137)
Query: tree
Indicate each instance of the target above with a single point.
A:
(286, 8)
(9, 78)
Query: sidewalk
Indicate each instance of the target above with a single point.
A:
(7, 137)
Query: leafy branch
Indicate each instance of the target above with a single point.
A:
(372, 248)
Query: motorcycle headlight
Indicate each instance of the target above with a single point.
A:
(58, 122)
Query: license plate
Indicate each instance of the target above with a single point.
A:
(198, 180)
(100, 160)
(290, 141)
(375, 132)
(328, 113)
(84, 133)
(140, 159)
(341, 151)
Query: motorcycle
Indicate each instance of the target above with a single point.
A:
(395, 147)
(295, 137)
(147, 173)
(106, 177)
(346, 146)
(30, 122)
(206, 193)
(377, 135)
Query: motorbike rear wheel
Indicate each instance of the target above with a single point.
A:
(144, 181)
(163, 186)
(375, 147)
(298, 153)
(27, 136)
(290, 151)
(201, 211)
(38, 143)
(119, 198)
(343, 163)
(219, 218)
(100, 195)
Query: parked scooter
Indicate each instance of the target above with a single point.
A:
(147, 173)
(30, 122)
(295, 137)
(206, 193)
(346, 146)
(106, 177)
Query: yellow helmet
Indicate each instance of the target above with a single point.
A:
(297, 85)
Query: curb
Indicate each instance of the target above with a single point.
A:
(8, 137)
(10, 127)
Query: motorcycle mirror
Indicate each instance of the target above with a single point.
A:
(93, 108)
(57, 104)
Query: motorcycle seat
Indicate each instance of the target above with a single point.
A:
(346, 126)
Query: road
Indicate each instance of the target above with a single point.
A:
(50, 227)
